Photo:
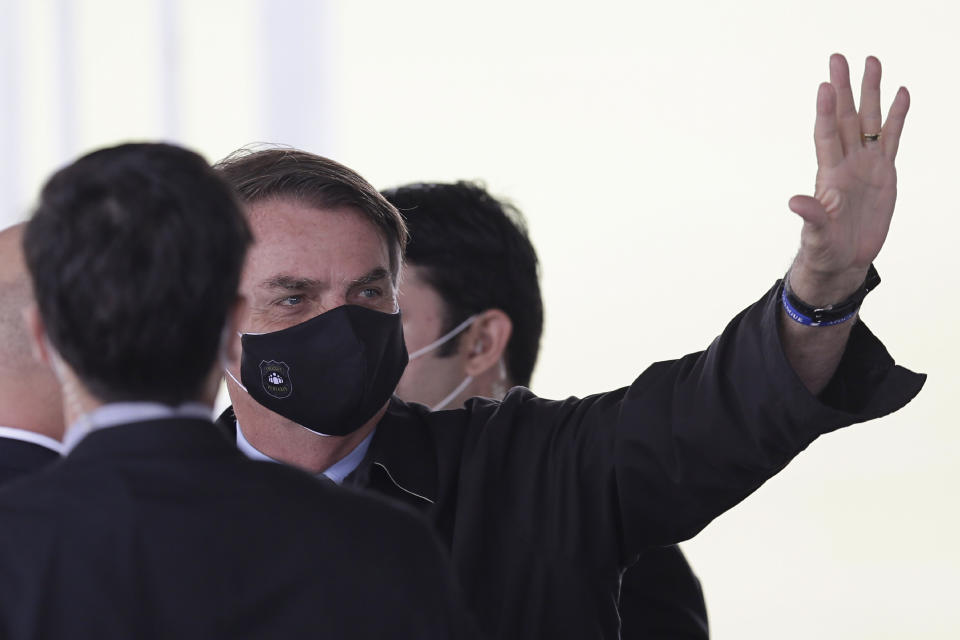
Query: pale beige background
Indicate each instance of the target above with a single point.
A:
(653, 147)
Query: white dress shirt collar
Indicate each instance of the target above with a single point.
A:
(119, 413)
(13, 433)
(337, 472)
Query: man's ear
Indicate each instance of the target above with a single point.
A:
(38, 334)
(484, 344)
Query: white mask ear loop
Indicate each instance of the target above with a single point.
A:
(500, 386)
(453, 394)
(223, 361)
(444, 338)
(239, 384)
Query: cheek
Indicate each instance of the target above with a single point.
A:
(414, 385)
(414, 335)
(408, 379)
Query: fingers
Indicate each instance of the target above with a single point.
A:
(848, 121)
(825, 136)
(897, 115)
(847, 126)
(870, 116)
(808, 208)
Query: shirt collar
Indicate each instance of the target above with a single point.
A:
(13, 433)
(336, 472)
(118, 413)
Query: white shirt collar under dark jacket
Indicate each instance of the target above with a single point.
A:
(119, 413)
(32, 437)
(337, 472)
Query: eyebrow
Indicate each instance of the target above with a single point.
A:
(290, 283)
(373, 276)
(287, 282)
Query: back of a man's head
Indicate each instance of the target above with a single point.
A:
(29, 393)
(474, 250)
(135, 254)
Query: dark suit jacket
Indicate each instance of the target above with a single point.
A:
(18, 457)
(162, 529)
(543, 503)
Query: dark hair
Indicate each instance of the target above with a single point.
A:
(284, 173)
(135, 254)
(475, 252)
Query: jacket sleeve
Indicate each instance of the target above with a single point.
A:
(604, 477)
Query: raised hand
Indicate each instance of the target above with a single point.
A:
(847, 219)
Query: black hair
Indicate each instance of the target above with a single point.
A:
(474, 250)
(135, 254)
(260, 174)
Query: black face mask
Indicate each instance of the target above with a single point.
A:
(330, 374)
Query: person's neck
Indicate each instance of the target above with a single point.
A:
(78, 403)
(288, 442)
(44, 415)
(31, 404)
(492, 383)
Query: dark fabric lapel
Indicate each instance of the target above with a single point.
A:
(400, 463)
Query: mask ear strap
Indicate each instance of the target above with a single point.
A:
(223, 356)
(239, 384)
(444, 338)
(453, 394)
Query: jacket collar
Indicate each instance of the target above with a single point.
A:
(24, 455)
(402, 459)
(164, 437)
(400, 463)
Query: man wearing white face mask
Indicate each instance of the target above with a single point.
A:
(472, 327)
(469, 294)
(473, 315)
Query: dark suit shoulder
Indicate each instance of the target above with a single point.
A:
(18, 458)
(208, 530)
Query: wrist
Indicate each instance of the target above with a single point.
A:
(823, 289)
(829, 314)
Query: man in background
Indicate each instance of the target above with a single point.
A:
(152, 525)
(472, 320)
(31, 418)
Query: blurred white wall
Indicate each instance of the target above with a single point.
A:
(653, 148)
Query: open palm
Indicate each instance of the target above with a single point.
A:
(847, 219)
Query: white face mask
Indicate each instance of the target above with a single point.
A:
(442, 340)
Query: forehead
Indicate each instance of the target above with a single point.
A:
(294, 238)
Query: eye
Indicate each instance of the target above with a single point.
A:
(370, 293)
(290, 301)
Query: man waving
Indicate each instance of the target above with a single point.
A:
(543, 503)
